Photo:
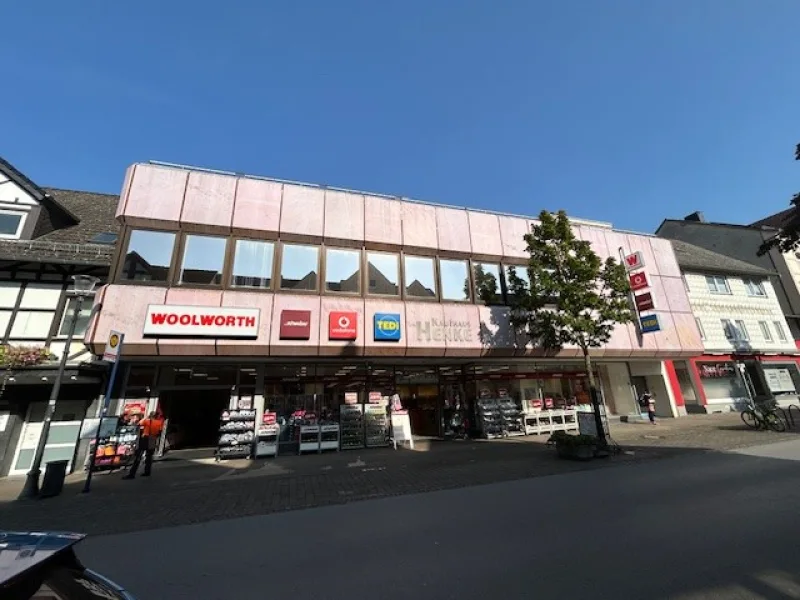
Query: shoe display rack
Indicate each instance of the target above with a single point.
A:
(513, 418)
(490, 418)
(236, 434)
(377, 426)
(351, 422)
(550, 421)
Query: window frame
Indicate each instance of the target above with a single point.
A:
(279, 288)
(715, 279)
(757, 284)
(741, 329)
(729, 328)
(471, 286)
(323, 276)
(501, 291)
(765, 331)
(23, 217)
(180, 257)
(228, 279)
(436, 295)
(504, 276)
(86, 306)
(123, 248)
(700, 328)
(780, 331)
(399, 274)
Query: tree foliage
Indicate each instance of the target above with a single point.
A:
(572, 296)
(788, 237)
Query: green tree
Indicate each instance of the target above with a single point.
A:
(788, 237)
(572, 296)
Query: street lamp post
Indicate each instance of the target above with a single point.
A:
(83, 286)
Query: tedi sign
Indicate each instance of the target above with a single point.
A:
(201, 321)
(443, 330)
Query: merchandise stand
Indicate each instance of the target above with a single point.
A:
(490, 418)
(267, 440)
(376, 426)
(550, 421)
(237, 434)
(319, 438)
(115, 450)
(351, 419)
(329, 437)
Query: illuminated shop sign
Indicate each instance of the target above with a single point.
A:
(201, 321)
(342, 325)
(387, 327)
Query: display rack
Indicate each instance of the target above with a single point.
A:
(550, 421)
(376, 425)
(115, 450)
(490, 418)
(309, 438)
(329, 436)
(237, 434)
(267, 440)
(513, 418)
(351, 422)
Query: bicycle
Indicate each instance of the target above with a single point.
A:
(763, 417)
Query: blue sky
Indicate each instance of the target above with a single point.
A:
(619, 110)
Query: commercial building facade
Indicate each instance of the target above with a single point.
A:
(303, 298)
(47, 236)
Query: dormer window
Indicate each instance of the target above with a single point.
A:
(11, 223)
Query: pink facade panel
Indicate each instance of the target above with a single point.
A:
(344, 216)
(124, 309)
(208, 202)
(496, 334)
(668, 340)
(259, 346)
(330, 329)
(383, 221)
(155, 195)
(664, 257)
(257, 206)
(641, 243)
(303, 211)
(462, 330)
(658, 293)
(484, 231)
(374, 347)
(425, 329)
(615, 241)
(452, 228)
(512, 236)
(644, 345)
(419, 226)
(195, 347)
(295, 347)
(675, 292)
(596, 237)
(686, 326)
(620, 345)
(123, 195)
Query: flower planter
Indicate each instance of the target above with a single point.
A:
(575, 452)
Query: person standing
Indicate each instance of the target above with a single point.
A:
(149, 431)
(648, 403)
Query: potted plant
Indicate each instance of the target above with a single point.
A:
(575, 447)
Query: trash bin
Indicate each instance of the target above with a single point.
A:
(54, 474)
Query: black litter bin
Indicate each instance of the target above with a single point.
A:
(54, 474)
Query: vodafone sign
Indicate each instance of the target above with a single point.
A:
(201, 321)
(343, 325)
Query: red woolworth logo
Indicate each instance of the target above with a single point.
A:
(201, 321)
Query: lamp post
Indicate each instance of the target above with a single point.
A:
(83, 287)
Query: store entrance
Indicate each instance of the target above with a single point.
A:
(193, 416)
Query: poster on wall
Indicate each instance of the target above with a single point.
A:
(133, 409)
(351, 398)
(780, 380)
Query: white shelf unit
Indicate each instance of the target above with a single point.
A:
(550, 421)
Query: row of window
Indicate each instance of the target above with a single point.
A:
(28, 312)
(718, 284)
(204, 260)
(736, 331)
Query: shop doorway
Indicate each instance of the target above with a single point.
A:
(193, 416)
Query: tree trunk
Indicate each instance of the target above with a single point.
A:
(594, 393)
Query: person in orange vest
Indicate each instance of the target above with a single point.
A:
(149, 431)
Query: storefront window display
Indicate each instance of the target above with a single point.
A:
(721, 381)
(782, 379)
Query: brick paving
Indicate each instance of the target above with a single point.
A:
(181, 492)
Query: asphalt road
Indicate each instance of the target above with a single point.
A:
(697, 526)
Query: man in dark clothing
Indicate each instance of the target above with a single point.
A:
(149, 432)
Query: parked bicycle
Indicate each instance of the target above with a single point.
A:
(763, 416)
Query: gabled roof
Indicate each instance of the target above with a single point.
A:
(695, 258)
(777, 220)
(39, 194)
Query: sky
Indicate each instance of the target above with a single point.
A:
(616, 110)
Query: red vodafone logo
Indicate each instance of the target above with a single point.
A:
(343, 325)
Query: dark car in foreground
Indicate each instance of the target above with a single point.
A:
(44, 566)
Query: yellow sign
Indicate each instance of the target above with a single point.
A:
(113, 346)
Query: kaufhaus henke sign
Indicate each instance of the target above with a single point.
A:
(443, 330)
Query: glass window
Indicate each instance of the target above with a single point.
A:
(383, 272)
(779, 329)
(765, 330)
(148, 256)
(32, 325)
(730, 330)
(252, 264)
(742, 332)
(69, 313)
(299, 267)
(455, 279)
(521, 272)
(754, 287)
(342, 270)
(203, 260)
(419, 277)
(10, 223)
(717, 285)
(700, 328)
(487, 283)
